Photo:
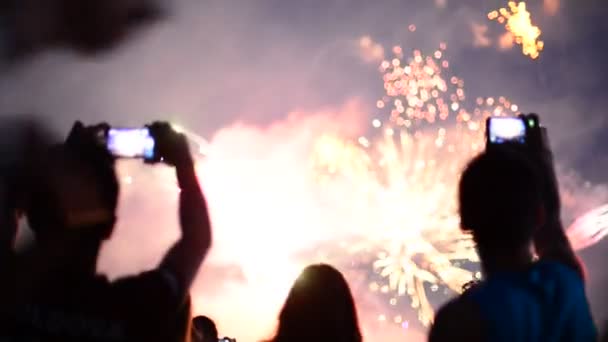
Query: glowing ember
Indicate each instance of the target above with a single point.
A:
(518, 22)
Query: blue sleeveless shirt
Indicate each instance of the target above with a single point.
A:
(546, 303)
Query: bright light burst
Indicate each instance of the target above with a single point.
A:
(407, 173)
(518, 22)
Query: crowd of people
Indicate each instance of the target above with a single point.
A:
(533, 285)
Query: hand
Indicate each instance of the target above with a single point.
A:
(171, 146)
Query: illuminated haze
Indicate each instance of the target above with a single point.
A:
(261, 80)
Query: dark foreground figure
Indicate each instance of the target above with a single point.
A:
(509, 202)
(203, 330)
(319, 307)
(52, 293)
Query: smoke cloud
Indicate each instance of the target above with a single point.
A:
(262, 80)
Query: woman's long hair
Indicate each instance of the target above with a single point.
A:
(319, 307)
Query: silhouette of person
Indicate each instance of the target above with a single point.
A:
(71, 208)
(510, 204)
(204, 330)
(319, 307)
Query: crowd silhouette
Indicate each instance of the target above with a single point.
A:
(532, 287)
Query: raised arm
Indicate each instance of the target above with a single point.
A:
(551, 241)
(186, 256)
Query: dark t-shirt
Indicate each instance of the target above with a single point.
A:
(145, 307)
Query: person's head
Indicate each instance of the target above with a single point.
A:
(319, 307)
(204, 330)
(500, 201)
(76, 193)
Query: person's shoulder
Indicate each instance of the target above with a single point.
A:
(460, 308)
(457, 320)
(565, 285)
(154, 281)
(154, 290)
(559, 271)
(157, 284)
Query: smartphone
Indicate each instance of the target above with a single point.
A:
(501, 130)
(131, 143)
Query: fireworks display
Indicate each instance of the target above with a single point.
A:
(381, 206)
(400, 181)
(519, 27)
(407, 173)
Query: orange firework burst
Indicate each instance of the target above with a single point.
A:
(519, 24)
(405, 177)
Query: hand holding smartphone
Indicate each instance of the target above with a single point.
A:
(152, 143)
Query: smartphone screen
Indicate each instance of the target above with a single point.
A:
(130, 143)
(506, 130)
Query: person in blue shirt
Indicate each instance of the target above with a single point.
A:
(533, 283)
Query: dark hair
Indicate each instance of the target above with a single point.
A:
(319, 307)
(206, 327)
(93, 166)
(499, 199)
